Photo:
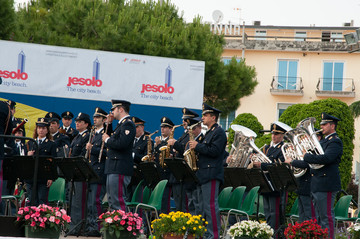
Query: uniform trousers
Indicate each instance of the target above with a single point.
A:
(272, 206)
(193, 201)
(116, 186)
(176, 192)
(209, 198)
(323, 203)
(96, 195)
(77, 205)
(306, 208)
(41, 196)
(165, 202)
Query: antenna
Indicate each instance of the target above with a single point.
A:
(218, 16)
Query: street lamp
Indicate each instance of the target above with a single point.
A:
(352, 40)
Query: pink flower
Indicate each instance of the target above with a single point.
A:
(33, 223)
(52, 219)
(58, 214)
(42, 224)
(57, 221)
(20, 212)
(141, 231)
(27, 217)
(63, 211)
(134, 233)
(45, 219)
(122, 222)
(129, 228)
(116, 218)
(108, 220)
(26, 209)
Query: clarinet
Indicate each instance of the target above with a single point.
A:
(103, 142)
(90, 138)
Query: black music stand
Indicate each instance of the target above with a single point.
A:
(182, 172)
(151, 172)
(77, 170)
(258, 178)
(235, 177)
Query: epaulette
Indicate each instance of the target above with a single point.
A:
(279, 146)
(123, 121)
(102, 131)
(46, 140)
(200, 138)
(331, 137)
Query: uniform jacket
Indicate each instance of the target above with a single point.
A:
(165, 172)
(140, 148)
(99, 167)
(274, 154)
(61, 141)
(119, 149)
(5, 124)
(78, 145)
(327, 178)
(180, 145)
(211, 155)
(20, 147)
(304, 182)
(71, 133)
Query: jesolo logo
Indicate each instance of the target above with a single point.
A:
(20, 74)
(94, 81)
(166, 88)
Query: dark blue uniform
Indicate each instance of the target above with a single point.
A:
(70, 132)
(274, 202)
(97, 189)
(325, 181)
(119, 163)
(62, 144)
(211, 174)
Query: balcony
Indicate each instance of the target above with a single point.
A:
(285, 85)
(335, 87)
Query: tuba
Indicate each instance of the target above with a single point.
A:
(190, 155)
(149, 157)
(293, 152)
(165, 150)
(243, 150)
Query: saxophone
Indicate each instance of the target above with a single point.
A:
(149, 157)
(165, 150)
(190, 155)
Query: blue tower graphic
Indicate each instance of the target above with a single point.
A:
(21, 62)
(96, 69)
(168, 76)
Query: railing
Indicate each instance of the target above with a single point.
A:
(286, 83)
(336, 87)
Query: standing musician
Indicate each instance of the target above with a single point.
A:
(211, 153)
(179, 146)
(62, 141)
(325, 181)
(47, 147)
(119, 161)
(78, 148)
(166, 127)
(97, 189)
(66, 129)
(274, 202)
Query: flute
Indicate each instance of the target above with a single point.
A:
(103, 142)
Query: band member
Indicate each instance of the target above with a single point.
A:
(211, 172)
(78, 148)
(47, 147)
(166, 127)
(179, 146)
(274, 202)
(67, 117)
(119, 160)
(97, 189)
(62, 141)
(20, 147)
(325, 181)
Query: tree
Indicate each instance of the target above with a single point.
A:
(7, 16)
(139, 28)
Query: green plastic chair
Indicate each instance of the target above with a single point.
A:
(293, 215)
(154, 203)
(224, 197)
(146, 194)
(342, 209)
(247, 208)
(57, 192)
(261, 212)
(136, 195)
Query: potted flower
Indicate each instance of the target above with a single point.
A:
(43, 221)
(307, 229)
(354, 231)
(177, 224)
(250, 229)
(119, 224)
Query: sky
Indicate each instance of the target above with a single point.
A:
(333, 13)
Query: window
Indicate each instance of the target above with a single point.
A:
(300, 36)
(325, 36)
(226, 121)
(336, 37)
(287, 74)
(227, 60)
(260, 35)
(333, 76)
(281, 107)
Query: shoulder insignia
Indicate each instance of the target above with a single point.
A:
(84, 135)
(278, 146)
(213, 129)
(66, 146)
(144, 137)
(331, 137)
(123, 121)
(46, 140)
(200, 138)
(127, 132)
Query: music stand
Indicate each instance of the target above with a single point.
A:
(182, 172)
(258, 178)
(235, 177)
(282, 177)
(151, 173)
(77, 170)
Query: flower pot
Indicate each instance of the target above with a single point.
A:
(123, 235)
(47, 233)
(174, 236)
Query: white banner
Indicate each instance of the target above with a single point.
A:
(34, 69)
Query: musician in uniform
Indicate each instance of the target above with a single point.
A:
(119, 161)
(62, 141)
(20, 147)
(274, 202)
(166, 126)
(67, 117)
(47, 147)
(211, 153)
(97, 189)
(325, 181)
(179, 148)
(78, 149)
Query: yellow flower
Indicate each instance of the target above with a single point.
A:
(183, 228)
(200, 227)
(206, 223)
(194, 228)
